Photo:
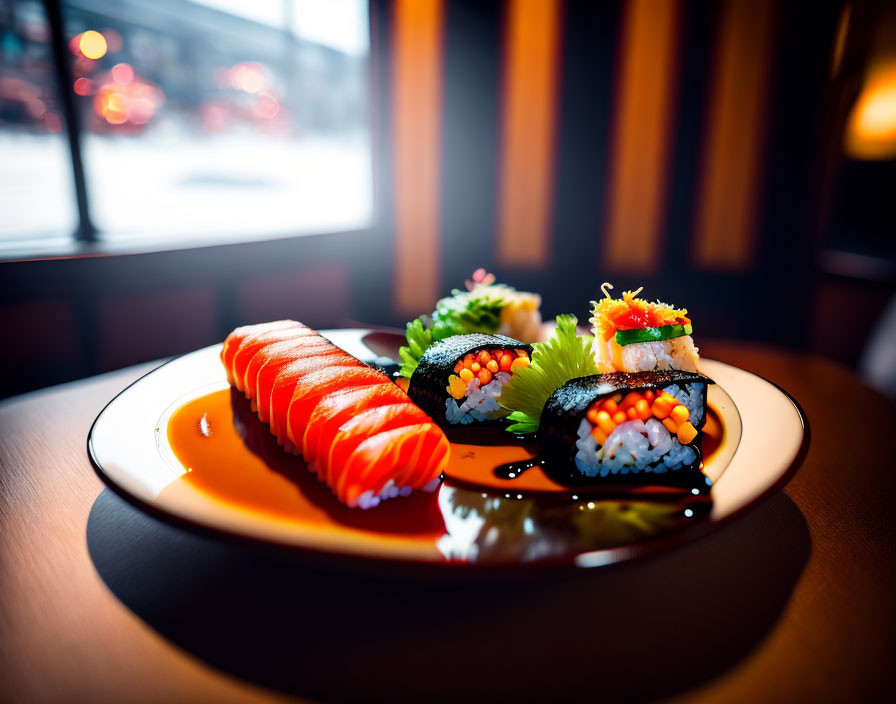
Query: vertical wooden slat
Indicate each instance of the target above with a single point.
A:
(527, 136)
(727, 197)
(417, 125)
(643, 117)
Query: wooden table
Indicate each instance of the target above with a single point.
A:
(792, 602)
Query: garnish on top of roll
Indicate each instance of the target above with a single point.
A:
(598, 425)
(634, 335)
(485, 307)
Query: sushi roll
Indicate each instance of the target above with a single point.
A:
(635, 335)
(357, 431)
(611, 425)
(614, 428)
(459, 380)
(485, 307)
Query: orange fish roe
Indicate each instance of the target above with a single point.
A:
(605, 414)
(483, 365)
(631, 313)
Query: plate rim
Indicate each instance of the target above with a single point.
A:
(634, 552)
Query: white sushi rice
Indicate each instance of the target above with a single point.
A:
(390, 490)
(480, 402)
(691, 397)
(677, 353)
(633, 446)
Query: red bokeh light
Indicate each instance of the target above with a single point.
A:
(122, 74)
(83, 86)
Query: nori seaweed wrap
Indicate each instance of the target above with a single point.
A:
(459, 379)
(639, 425)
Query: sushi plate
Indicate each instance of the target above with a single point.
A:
(237, 483)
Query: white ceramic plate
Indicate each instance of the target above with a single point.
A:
(766, 435)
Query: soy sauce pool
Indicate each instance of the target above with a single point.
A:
(232, 458)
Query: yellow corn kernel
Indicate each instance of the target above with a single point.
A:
(466, 375)
(604, 422)
(518, 364)
(592, 416)
(610, 406)
(492, 366)
(680, 414)
(686, 433)
(456, 387)
(670, 425)
(619, 417)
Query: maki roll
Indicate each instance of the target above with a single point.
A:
(618, 424)
(459, 380)
(615, 428)
(485, 307)
(635, 335)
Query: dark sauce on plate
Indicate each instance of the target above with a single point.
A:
(476, 515)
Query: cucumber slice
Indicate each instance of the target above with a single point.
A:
(666, 332)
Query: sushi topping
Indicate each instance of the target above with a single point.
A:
(608, 413)
(486, 307)
(665, 332)
(477, 382)
(565, 356)
(611, 315)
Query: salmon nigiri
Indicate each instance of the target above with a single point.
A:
(338, 407)
(357, 429)
(312, 387)
(285, 385)
(235, 339)
(393, 462)
(256, 342)
(283, 351)
(361, 433)
(270, 370)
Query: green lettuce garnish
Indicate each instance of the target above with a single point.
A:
(461, 313)
(565, 356)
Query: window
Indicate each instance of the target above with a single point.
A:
(212, 120)
(37, 196)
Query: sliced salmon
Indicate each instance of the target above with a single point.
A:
(284, 350)
(310, 388)
(421, 460)
(268, 373)
(361, 433)
(255, 342)
(361, 426)
(235, 339)
(395, 451)
(338, 407)
(285, 385)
